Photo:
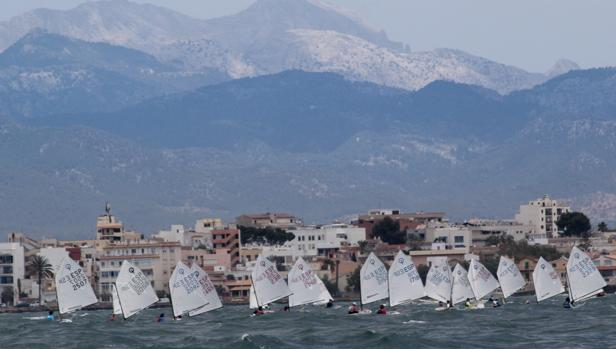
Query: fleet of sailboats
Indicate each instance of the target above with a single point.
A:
(193, 293)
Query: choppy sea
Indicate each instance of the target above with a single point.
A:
(514, 325)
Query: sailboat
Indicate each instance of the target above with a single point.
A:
(404, 281)
(481, 280)
(304, 284)
(185, 290)
(135, 292)
(546, 280)
(509, 277)
(73, 288)
(207, 289)
(324, 295)
(268, 285)
(461, 289)
(584, 280)
(374, 285)
(439, 282)
(115, 300)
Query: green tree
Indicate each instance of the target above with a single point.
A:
(388, 230)
(328, 264)
(493, 240)
(330, 285)
(507, 246)
(574, 224)
(353, 280)
(41, 269)
(264, 236)
(602, 227)
(7, 296)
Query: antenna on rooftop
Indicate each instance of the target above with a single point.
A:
(108, 210)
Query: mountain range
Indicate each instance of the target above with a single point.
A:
(287, 105)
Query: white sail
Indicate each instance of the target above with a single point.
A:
(117, 308)
(438, 282)
(185, 290)
(324, 295)
(303, 283)
(134, 290)
(253, 299)
(461, 290)
(404, 282)
(546, 280)
(207, 289)
(482, 281)
(583, 277)
(72, 287)
(373, 280)
(509, 277)
(268, 284)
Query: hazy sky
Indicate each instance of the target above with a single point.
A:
(531, 34)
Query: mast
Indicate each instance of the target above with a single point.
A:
(115, 286)
(57, 302)
(171, 301)
(255, 291)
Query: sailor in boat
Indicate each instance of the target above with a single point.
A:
(494, 301)
(259, 311)
(568, 303)
(177, 318)
(449, 305)
(50, 316)
(286, 308)
(330, 304)
(160, 317)
(467, 303)
(382, 310)
(353, 309)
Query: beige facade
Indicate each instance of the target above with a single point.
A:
(542, 214)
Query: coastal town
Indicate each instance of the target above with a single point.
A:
(335, 251)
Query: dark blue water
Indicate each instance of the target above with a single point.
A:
(515, 325)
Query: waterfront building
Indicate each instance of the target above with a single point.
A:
(12, 269)
(156, 259)
(407, 221)
(542, 214)
(268, 219)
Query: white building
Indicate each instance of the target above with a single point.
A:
(54, 255)
(482, 229)
(542, 214)
(12, 267)
(445, 236)
(313, 241)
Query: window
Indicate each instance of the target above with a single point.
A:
(459, 239)
(6, 259)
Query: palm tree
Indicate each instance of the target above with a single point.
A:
(40, 267)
